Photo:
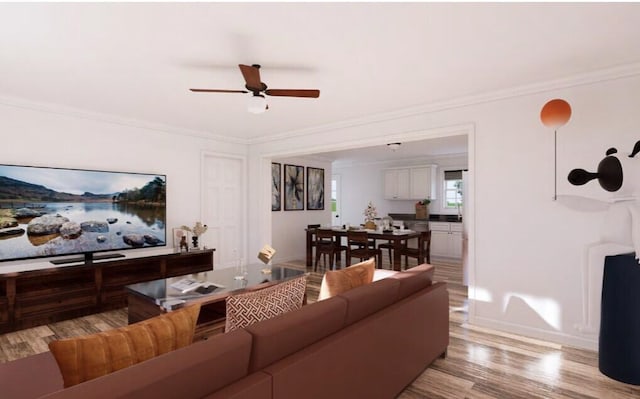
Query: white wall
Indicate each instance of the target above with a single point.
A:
(527, 249)
(31, 137)
(289, 237)
(362, 183)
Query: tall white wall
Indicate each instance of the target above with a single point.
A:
(289, 238)
(38, 138)
(528, 250)
(364, 182)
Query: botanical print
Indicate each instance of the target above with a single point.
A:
(276, 186)
(315, 188)
(293, 188)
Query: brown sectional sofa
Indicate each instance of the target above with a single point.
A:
(369, 342)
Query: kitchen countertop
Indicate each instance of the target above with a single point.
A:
(432, 217)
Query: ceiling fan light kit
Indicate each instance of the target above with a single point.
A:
(253, 84)
(257, 104)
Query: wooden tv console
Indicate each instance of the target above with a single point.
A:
(35, 297)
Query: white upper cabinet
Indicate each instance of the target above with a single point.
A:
(396, 184)
(412, 183)
(423, 182)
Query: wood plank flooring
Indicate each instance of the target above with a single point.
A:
(481, 363)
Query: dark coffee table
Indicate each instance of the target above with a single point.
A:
(151, 298)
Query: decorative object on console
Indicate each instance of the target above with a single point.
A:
(276, 186)
(315, 189)
(84, 358)
(180, 238)
(197, 230)
(251, 307)
(555, 113)
(609, 173)
(293, 188)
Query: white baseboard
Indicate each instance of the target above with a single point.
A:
(552, 336)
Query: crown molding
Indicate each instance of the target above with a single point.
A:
(116, 120)
(602, 75)
(408, 161)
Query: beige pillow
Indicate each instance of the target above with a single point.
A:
(336, 282)
(252, 307)
(84, 358)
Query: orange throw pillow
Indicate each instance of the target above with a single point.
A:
(336, 282)
(84, 358)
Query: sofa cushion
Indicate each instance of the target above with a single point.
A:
(414, 279)
(366, 300)
(251, 307)
(336, 282)
(87, 357)
(281, 336)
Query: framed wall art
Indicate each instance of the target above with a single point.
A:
(276, 186)
(293, 188)
(315, 189)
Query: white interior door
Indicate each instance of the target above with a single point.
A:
(223, 205)
(336, 219)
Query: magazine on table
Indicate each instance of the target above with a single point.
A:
(189, 284)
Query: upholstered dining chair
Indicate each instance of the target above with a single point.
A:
(422, 252)
(359, 246)
(326, 244)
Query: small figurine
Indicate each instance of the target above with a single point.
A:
(183, 243)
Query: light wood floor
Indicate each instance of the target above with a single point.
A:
(480, 364)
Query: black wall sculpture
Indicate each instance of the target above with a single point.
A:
(609, 173)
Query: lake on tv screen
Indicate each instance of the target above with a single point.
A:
(81, 227)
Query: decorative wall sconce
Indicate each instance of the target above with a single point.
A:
(555, 113)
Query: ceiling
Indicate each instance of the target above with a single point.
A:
(136, 61)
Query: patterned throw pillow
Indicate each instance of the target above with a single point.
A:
(84, 358)
(252, 307)
(335, 282)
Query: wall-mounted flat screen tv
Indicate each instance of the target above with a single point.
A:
(54, 211)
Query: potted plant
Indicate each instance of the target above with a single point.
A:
(422, 209)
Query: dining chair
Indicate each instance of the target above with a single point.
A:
(326, 244)
(311, 228)
(389, 246)
(421, 252)
(359, 246)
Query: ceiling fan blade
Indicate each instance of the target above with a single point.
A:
(293, 93)
(217, 91)
(251, 75)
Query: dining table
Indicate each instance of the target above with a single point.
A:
(396, 237)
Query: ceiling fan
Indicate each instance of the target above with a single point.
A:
(257, 102)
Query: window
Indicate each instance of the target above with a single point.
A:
(452, 188)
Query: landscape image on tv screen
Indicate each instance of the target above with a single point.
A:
(54, 211)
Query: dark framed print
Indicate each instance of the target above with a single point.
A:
(293, 188)
(315, 189)
(276, 186)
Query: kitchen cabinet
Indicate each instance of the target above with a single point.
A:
(423, 182)
(411, 183)
(396, 183)
(446, 239)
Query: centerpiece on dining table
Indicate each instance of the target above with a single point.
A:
(370, 214)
